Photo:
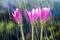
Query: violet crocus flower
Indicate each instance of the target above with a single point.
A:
(44, 15)
(17, 15)
(33, 15)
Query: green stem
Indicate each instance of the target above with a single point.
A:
(41, 34)
(21, 29)
(32, 32)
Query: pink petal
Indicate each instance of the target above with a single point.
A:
(28, 14)
(35, 16)
(15, 17)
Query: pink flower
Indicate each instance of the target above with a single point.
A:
(17, 15)
(33, 15)
(45, 13)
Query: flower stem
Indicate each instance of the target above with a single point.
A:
(32, 32)
(21, 29)
(41, 34)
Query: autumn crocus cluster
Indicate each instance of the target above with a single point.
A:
(32, 16)
(43, 14)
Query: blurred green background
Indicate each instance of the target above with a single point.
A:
(9, 29)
